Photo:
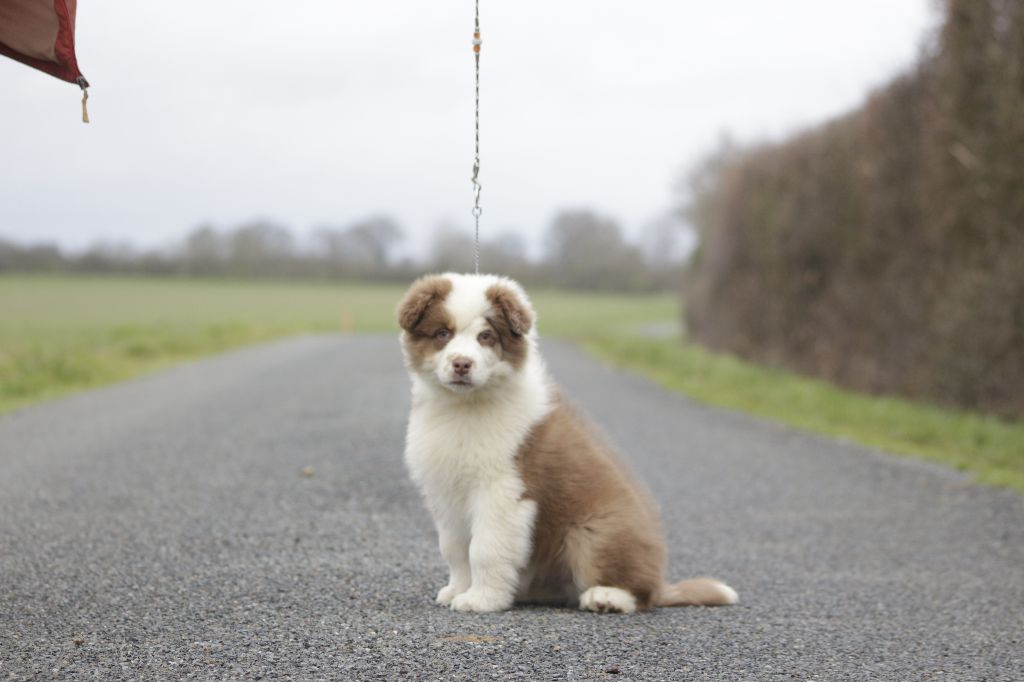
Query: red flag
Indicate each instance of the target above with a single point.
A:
(41, 33)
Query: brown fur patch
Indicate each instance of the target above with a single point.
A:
(421, 316)
(595, 525)
(512, 321)
(422, 294)
(696, 592)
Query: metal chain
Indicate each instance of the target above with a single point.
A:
(476, 158)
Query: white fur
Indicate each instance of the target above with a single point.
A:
(607, 600)
(460, 450)
(729, 595)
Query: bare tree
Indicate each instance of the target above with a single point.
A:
(666, 241)
(260, 248)
(372, 241)
(204, 251)
(30, 258)
(586, 250)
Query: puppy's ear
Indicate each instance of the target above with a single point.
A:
(423, 293)
(515, 312)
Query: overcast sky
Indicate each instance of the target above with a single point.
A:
(315, 113)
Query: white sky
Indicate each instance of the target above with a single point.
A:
(311, 113)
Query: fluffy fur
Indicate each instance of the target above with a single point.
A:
(528, 503)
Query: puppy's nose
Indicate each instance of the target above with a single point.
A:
(461, 364)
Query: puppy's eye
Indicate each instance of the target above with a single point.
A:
(442, 334)
(486, 336)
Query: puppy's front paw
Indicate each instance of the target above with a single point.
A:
(481, 601)
(446, 594)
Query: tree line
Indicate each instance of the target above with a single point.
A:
(581, 249)
(883, 250)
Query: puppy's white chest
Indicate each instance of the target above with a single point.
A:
(449, 453)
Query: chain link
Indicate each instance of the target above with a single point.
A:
(477, 211)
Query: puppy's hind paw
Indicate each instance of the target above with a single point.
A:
(607, 600)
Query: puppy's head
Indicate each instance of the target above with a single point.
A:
(465, 333)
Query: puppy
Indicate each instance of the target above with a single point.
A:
(529, 504)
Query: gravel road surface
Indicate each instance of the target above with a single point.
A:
(248, 516)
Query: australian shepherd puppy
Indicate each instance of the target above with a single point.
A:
(530, 505)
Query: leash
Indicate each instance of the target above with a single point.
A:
(477, 211)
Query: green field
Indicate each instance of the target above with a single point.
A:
(63, 334)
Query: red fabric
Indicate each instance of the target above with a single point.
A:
(65, 65)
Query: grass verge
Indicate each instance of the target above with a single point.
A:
(991, 449)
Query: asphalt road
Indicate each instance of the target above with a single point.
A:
(163, 528)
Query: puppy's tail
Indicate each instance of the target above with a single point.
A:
(697, 592)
